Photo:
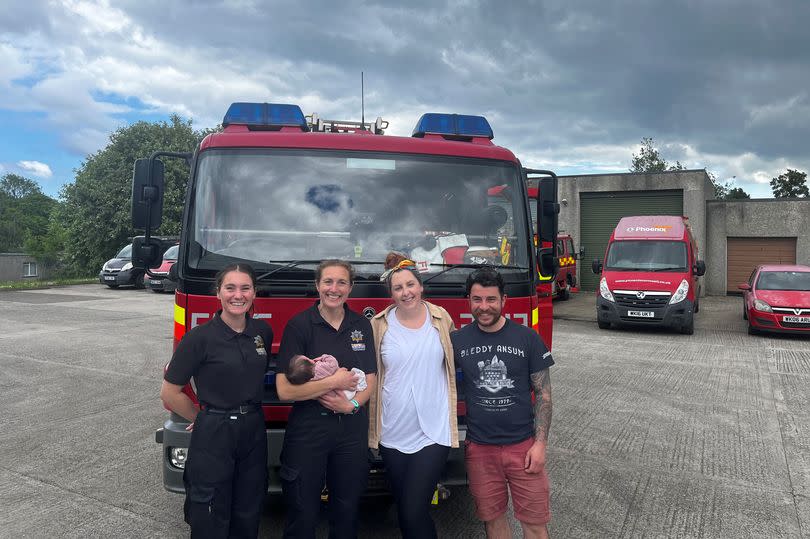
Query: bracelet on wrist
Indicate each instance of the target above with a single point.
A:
(356, 406)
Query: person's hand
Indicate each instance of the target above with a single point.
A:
(535, 458)
(344, 379)
(336, 402)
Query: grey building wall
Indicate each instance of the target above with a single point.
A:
(695, 184)
(11, 266)
(756, 218)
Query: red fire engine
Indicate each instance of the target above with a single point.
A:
(283, 191)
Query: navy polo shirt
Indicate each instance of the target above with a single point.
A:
(228, 367)
(307, 333)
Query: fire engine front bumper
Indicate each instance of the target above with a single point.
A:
(174, 440)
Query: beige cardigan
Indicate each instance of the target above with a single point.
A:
(441, 320)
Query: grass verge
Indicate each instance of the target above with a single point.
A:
(45, 283)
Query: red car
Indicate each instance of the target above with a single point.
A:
(161, 281)
(777, 298)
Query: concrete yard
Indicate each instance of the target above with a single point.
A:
(655, 434)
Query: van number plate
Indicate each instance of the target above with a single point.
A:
(109, 277)
(641, 314)
(797, 319)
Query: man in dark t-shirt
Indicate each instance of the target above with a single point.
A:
(505, 450)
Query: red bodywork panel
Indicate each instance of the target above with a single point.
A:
(240, 137)
(277, 312)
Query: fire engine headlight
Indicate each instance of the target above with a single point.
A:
(604, 291)
(680, 293)
(177, 456)
(126, 266)
(762, 306)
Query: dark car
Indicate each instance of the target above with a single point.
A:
(118, 271)
(777, 298)
(159, 280)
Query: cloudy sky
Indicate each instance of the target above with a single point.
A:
(571, 86)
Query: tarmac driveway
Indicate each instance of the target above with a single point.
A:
(655, 434)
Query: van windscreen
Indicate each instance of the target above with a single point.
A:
(645, 255)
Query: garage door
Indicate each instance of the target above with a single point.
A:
(600, 212)
(744, 254)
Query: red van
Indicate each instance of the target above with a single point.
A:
(650, 274)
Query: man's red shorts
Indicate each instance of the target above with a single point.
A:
(494, 470)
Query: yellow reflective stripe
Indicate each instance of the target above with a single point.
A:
(535, 316)
(179, 315)
(543, 277)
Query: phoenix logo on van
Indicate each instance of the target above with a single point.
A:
(653, 228)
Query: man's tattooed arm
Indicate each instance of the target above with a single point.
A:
(541, 383)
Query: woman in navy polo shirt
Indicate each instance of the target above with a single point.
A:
(226, 470)
(327, 435)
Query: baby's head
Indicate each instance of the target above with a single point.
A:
(300, 370)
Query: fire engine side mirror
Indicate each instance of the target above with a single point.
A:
(549, 263)
(700, 268)
(147, 194)
(146, 253)
(596, 266)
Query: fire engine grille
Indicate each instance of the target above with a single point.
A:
(631, 299)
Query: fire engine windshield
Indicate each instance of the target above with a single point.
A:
(292, 208)
(642, 255)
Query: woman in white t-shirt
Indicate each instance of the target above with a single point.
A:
(412, 414)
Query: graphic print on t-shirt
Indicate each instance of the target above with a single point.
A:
(493, 376)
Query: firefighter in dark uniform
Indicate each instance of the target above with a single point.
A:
(226, 470)
(327, 434)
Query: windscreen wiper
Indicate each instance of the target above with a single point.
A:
(672, 268)
(293, 263)
(287, 265)
(449, 267)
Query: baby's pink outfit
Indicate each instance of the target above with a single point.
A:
(327, 365)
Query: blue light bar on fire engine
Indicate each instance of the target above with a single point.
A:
(457, 125)
(265, 115)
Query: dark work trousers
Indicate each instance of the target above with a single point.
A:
(323, 446)
(226, 475)
(413, 479)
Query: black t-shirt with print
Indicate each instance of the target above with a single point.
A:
(228, 367)
(496, 371)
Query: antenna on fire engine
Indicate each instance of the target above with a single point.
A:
(362, 103)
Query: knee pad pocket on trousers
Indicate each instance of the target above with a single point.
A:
(203, 509)
(290, 484)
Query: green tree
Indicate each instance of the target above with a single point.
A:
(792, 183)
(24, 212)
(736, 193)
(96, 214)
(649, 159)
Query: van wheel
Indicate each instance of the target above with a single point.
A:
(603, 325)
(689, 327)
